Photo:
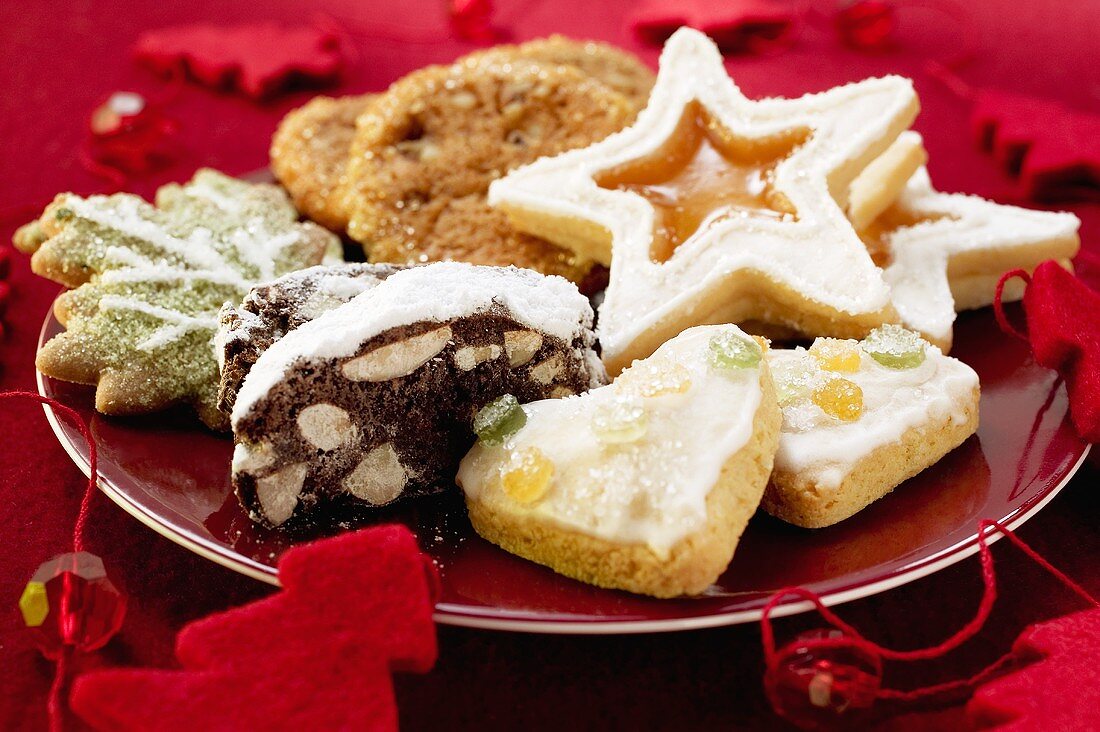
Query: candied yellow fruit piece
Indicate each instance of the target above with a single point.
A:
(840, 398)
(655, 378)
(620, 421)
(527, 476)
(835, 354)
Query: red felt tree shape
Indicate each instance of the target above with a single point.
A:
(1063, 327)
(1055, 150)
(1059, 691)
(259, 59)
(317, 655)
(735, 25)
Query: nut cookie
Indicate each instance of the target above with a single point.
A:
(149, 282)
(310, 150)
(309, 155)
(859, 418)
(644, 485)
(273, 309)
(426, 151)
(374, 400)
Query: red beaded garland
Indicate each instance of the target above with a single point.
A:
(129, 136)
(70, 603)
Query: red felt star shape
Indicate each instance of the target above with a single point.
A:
(1063, 326)
(258, 59)
(1059, 691)
(1054, 150)
(317, 655)
(735, 25)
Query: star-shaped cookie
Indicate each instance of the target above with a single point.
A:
(944, 252)
(714, 208)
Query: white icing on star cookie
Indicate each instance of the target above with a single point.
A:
(788, 256)
(932, 243)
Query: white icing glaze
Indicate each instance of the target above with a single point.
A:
(652, 491)
(437, 292)
(178, 324)
(818, 254)
(824, 448)
(997, 236)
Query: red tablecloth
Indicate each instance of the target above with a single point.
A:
(60, 59)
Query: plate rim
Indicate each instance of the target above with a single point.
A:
(446, 614)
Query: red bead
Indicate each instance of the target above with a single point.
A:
(866, 25)
(69, 602)
(131, 135)
(471, 20)
(812, 686)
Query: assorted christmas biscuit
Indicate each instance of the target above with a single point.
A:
(713, 208)
(644, 485)
(350, 386)
(945, 252)
(859, 418)
(375, 399)
(311, 148)
(149, 281)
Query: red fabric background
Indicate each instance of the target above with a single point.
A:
(60, 59)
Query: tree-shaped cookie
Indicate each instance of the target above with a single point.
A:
(149, 281)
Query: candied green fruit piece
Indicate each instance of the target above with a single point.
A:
(728, 350)
(895, 347)
(499, 419)
(620, 421)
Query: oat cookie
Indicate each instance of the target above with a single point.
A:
(644, 485)
(427, 149)
(859, 418)
(309, 155)
(374, 400)
(310, 150)
(150, 280)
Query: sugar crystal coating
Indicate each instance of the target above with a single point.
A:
(655, 378)
(729, 350)
(620, 421)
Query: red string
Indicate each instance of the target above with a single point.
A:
(852, 638)
(998, 305)
(55, 706)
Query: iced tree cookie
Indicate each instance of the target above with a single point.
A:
(375, 399)
(150, 280)
(716, 208)
(426, 150)
(273, 309)
(859, 418)
(311, 148)
(944, 252)
(644, 485)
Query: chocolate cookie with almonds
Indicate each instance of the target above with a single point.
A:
(427, 149)
(375, 399)
(310, 150)
(150, 280)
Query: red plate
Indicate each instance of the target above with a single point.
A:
(173, 475)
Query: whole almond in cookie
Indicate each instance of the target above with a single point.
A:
(375, 399)
(427, 149)
(150, 281)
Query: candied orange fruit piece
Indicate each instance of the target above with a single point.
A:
(840, 398)
(835, 354)
(526, 478)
